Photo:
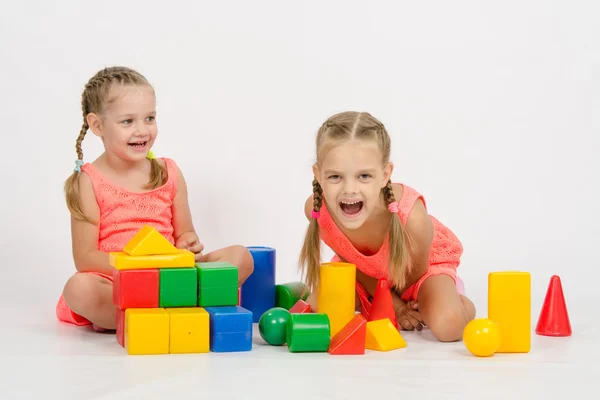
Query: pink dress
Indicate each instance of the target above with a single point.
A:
(122, 215)
(444, 256)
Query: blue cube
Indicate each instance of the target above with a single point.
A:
(230, 329)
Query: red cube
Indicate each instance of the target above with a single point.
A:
(121, 327)
(136, 288)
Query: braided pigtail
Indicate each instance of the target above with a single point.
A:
(399, 265)
(310, 256)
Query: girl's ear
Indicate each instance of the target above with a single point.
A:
(388, 169)
(95, 124)
(316, 173)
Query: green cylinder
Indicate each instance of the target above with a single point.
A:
(308, 332)
(287, 294)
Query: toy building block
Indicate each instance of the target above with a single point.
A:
(148, 241)
(258, 291)
(287, 294)
(382, 306)
(178, 287)
(189, 330)
(308, 333)
(120, 327)
(135, 288)
(554, 317)
(146, 331)
(230, 329)
(481, 337)
(336, 294)
(122, 261)
(351, 339)
(300, 307)
(382, 335)
(217, 284)
(509, 305)
(272, 325)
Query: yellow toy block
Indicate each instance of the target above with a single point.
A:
(190, 330)
(148, 241)
(383, 336)
(336, 293)
(146, 331)
(122, 260)
(509, 305)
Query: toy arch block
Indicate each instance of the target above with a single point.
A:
(148, 241)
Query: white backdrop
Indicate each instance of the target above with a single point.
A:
(493, 108)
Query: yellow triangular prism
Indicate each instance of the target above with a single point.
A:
(147, 242)
(383, 336)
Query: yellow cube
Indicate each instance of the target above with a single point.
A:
(509, 305)
(146, 331)
(190, 330)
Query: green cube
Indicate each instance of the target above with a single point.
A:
(178, 287)
(217, 284)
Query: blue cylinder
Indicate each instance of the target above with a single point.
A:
(258, 292)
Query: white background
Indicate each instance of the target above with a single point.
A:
(493, 108)
(494, 112)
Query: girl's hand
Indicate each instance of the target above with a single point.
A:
(190, 242)
(407, 314)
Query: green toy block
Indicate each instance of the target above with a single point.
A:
(217, 284)
(287, 294)
(308, 333)
(178, 287)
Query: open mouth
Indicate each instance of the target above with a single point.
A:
(138, 145)
(351, 208)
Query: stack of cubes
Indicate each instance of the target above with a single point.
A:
(169, 304)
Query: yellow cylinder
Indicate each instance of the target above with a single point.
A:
(336, 293)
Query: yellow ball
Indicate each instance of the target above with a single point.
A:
(482, 337)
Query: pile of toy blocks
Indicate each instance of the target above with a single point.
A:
(334, 327)
(167, 303)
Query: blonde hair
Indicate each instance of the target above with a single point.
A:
(94, 100)
(337, 129)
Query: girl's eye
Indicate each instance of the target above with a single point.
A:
(150, 119)
(365, 176)
(127, 121)
(334, 176)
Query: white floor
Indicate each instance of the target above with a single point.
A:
(43, 358)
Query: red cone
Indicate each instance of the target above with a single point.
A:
(383, 306)
(554, 318)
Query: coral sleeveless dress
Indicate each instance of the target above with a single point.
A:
(122, 215)
(444, 256)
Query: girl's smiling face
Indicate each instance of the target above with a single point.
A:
(351, 175)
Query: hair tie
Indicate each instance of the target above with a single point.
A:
(150, 155)
(393, 207)
(78, 164)
(315, 214)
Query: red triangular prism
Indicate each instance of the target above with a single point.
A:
(382, 306)
(554, 317)
(351, 339)
(300, 307)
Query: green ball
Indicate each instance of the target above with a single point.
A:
(272, 325)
